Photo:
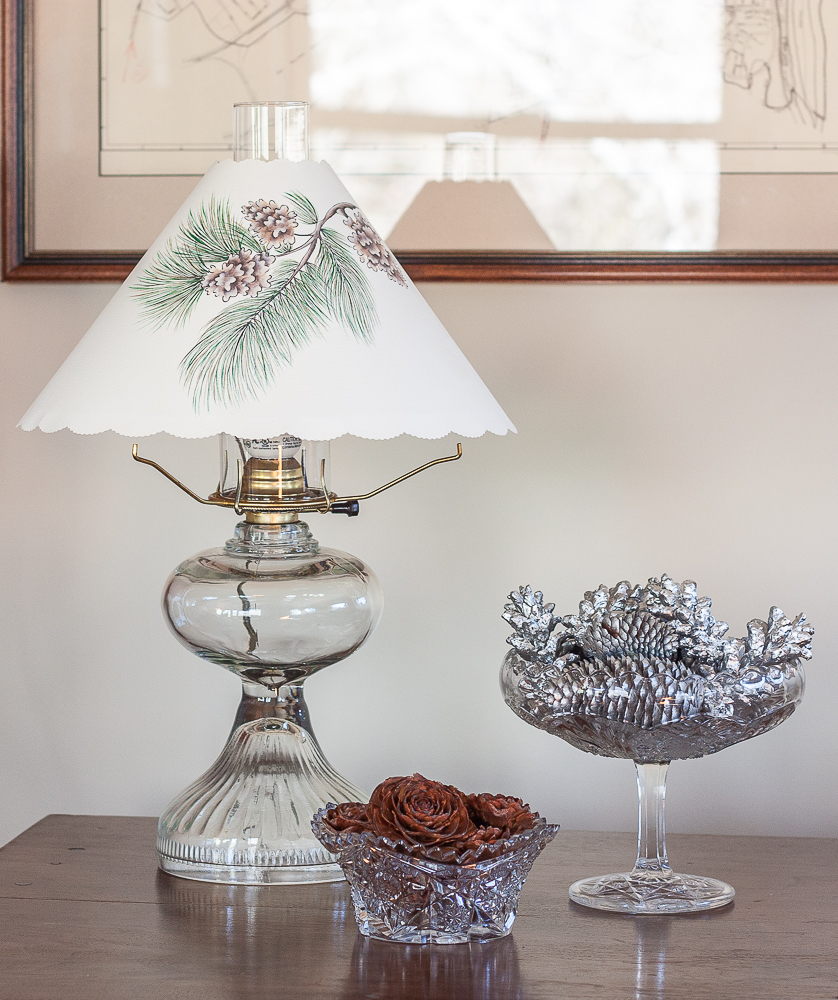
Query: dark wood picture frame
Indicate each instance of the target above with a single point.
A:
(23, 263)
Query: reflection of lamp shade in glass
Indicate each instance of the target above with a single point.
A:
(268, 303)
(470, 209)
(468, 215)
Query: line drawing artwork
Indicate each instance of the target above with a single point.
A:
(232, 27)
(778, 48)
(172, 69)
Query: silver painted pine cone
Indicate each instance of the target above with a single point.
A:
(647, 673)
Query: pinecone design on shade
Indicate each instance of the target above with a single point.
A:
(304, 257)
(243, 273)
(274, 224)
(649, 657)
(371, 248)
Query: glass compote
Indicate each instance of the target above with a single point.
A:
(645, 673)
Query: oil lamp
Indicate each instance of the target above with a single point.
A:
(271, 313)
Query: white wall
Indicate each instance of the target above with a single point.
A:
(663, 428)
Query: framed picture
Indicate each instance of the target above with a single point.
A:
(611, 140)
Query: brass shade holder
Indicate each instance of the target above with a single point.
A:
(260, 478)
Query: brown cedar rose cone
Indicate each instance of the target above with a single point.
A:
(508, 815)
(419, 811)
(349, 816)
(427, 815)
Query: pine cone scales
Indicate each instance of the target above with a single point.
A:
(645, 656)
(243, 273)
(637, 633)
(645, 692)
(274, 224)
(370, 247)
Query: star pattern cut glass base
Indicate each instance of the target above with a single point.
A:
(642, 892)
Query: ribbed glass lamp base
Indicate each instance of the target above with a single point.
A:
(248, 819)
(250, 874)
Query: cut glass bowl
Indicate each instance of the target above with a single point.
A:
(415, 900)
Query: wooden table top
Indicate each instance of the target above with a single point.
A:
(84, 913)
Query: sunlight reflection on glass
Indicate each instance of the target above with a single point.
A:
(604, 60)
(528, 80)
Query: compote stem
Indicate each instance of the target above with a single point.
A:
(651, 825)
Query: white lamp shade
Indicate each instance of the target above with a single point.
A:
(268, 304)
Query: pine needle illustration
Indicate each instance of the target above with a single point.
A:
(347, 287)
(284, 294)
(171, 288)
(242, 347)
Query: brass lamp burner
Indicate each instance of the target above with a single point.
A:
(274, 491)
(266, 477)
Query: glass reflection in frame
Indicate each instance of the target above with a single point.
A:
(617, 124)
